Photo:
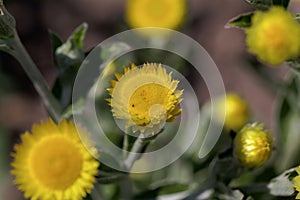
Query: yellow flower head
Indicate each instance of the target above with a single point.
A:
(145, 97)
(53, 164)
(236, 111)
(253, 145)
(155, 13)
(296, 182)
(274, 36)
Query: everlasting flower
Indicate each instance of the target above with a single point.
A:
(145, 97)
(53, 164)
(155, 13)
(296, 182)
(253, 145)
(236, 111)
(274, 36)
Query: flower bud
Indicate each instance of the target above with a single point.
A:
(236, 111)
(296, 182)
(253, 145)
(274, 36)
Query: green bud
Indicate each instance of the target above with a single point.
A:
(7, 23)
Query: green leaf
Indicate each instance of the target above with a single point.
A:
(260, 4)
(288, 125)
(68, 57)
(241, 21)
(79, 35)
(71, 52)
(281, 185)
(173, 188)
(284, 3)
(56, 42)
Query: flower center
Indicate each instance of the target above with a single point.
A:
(149, 101)
(275, 36)
(56, 162)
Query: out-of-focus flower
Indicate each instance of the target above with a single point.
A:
(236, 111)
(155, 13)
(253, 145)
(274, 36)
(52, 163)
(296, 182)
(145, 97)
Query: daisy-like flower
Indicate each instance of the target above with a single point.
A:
(296, 182)
(52, 163)
(145, 97)
(236, 111)
(155, 13)
(274, 36)
(253, 145)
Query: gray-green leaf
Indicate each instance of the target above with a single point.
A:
(241, 21)
(281, 185)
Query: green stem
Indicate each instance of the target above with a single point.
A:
(125, 144)
(20, 53)
(134, 154)
(111, 179)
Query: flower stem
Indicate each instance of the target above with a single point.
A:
(134, 154)
(111, 179)
(20, 53)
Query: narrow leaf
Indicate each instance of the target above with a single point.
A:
(78, 35)
(241, 21)
(68, 57)
(55, 42)
(288, 124)
(281, 185)
(173, 188)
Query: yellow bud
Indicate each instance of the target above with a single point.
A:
(253, 145)
(296, 182)
(274, 36)
(169, 14)
(236, 111)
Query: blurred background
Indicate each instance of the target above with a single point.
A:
(20, 106)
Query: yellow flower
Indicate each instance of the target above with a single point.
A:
(236, 111)
(145, 97)
(274, 36)
(253, 145)
(296, 182)
(53, 164)
(155, 13)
